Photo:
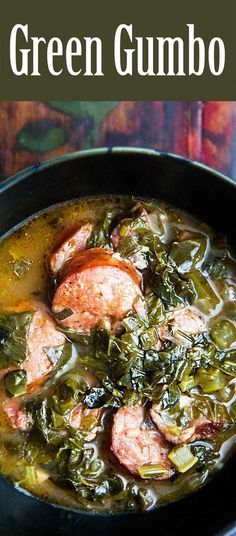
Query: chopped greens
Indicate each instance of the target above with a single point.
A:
(100, 237)
(15, 382)
(13, 346)
(59, 355)
(63, 314)
(207, 299)
(186, 254)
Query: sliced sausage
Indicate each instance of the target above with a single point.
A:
(97, 286)
(86, 420)
(197, 428)
(17, 417)
(75, 243)
(135, 446)
(180, 322)
(42, 334)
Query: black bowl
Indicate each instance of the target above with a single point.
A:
(203, 192)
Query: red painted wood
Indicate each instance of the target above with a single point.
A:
(203, 131)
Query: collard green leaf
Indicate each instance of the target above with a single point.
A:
(207, 299)
(15, 382)
(82, 109)
(171, 288)
(100, 237)
(220, 265)
(52, 436)
(59, 355)
(65, 313)
(13, 346)
(226, 361)
(185, 255)
(206, 454)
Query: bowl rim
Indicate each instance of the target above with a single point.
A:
(102, 151)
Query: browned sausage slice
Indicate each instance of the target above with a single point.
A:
(196, 428)
(42, 334)
(135, 446)
(17, 417)
(97, 286)
(75, 243)
(180, 323)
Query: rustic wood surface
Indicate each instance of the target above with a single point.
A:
(35, 131)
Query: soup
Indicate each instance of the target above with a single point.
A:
(117, 354)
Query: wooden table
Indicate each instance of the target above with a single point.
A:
(34, 131)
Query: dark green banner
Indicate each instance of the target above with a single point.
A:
(126, 50)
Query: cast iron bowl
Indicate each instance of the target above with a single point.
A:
(185, 184)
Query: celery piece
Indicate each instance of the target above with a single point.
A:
(211, 380)
(153, 471)
(174, 430)
(182, 458)
(223, 333)
(207, 299)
